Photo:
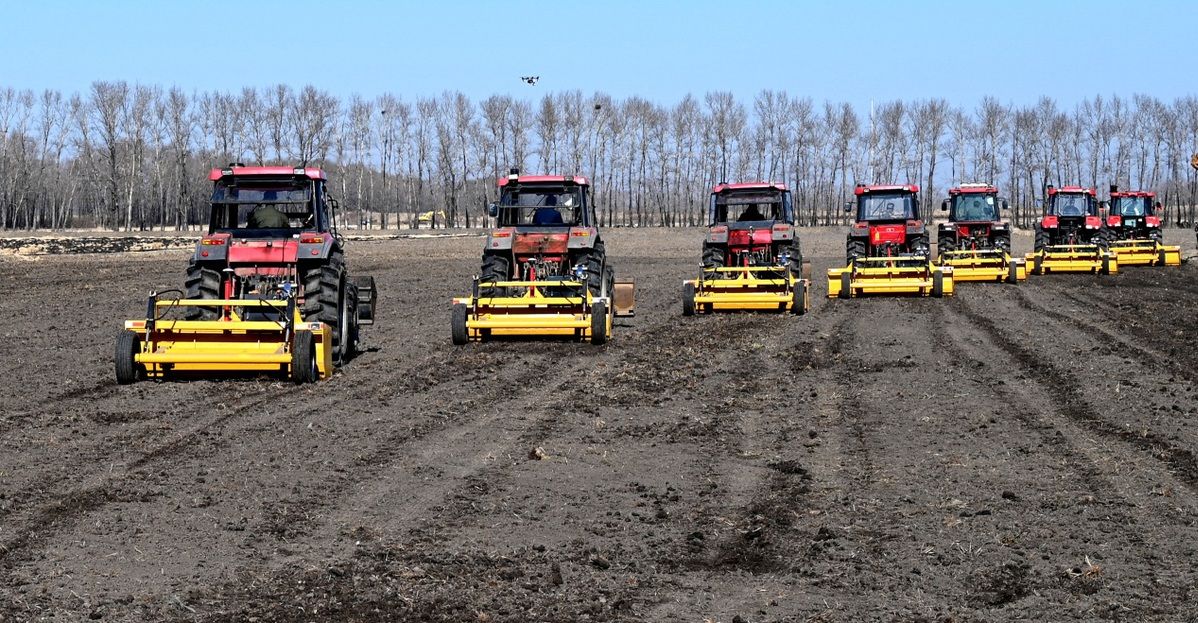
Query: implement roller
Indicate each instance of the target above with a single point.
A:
(1145, 253)
(251, 335)
(993, 265)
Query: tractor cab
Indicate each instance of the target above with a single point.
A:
(887, 222)
(750, 223)
(537, 201)
(1072, 202)
(1133, 211)
(269, 202)
(974, 203)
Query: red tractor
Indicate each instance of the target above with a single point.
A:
(1070, 218)
(751, 224)
(974, 221)
(545, 230)
(887, 223)
(272, 229)
(1134, 215)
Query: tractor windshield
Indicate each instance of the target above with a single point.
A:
(750, 207)
(1131, 206)
(974, 207)
(886, 207)
(546, 206)
(1073, 204)
(253, 207)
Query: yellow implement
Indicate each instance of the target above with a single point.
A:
(984, 265)
(1073, 258)
(1145, 252)
(267, 336)
(746, 288)
(537, 308)
(889, 276)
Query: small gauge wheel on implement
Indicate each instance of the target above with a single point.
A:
(938, 283)
(303, 358)
(1106, 265)
(798, 298)
(457, 322)
(846, 284)
(598, 323)
(1038, 264)
(688, 299)
(128, 344)
(1012, 272)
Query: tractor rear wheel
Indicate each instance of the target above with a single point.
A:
(201, 283)
(457, 322)
(1042, 239)
(945, 245)
(854, 249)
(713, 257)
(598, 323)
(688, 299)
(798, 301)
(128, 345)
(325, 300)
(495, 268)
(303, 358)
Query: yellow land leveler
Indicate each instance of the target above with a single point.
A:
(562, 308)
(251, 335)
(1073, 258)
(992, 265)
(747, 288)
(1147, 252)
(890, 276)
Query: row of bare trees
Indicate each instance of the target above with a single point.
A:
(128, 156)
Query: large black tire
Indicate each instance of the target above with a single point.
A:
(303, 358)
(855, 248)
(596, 265)
(598, 323)
(945, 244)
(1042, 239)
(495, 268)
(325, 297)
(1102, 237)
(457, 324)
(688, 299)
(128, 344)
(798, 303)
(795, 251)
(201, 283)
(921, 245)
(714, 256)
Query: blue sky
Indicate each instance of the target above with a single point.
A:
(1016, 50)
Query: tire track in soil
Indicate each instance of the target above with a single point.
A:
(1181, 462)
(1119, 512)
(426, 524)
(1145, 355)
(61, 513)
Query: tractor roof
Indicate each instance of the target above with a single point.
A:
(966, 189)
(722, 187)
(237, 171)
(1133, 193)
(546, 179)
(1073, 190)
(863, 189)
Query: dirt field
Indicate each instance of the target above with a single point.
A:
(1015, 453)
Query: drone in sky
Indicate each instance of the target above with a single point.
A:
(530, 79)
